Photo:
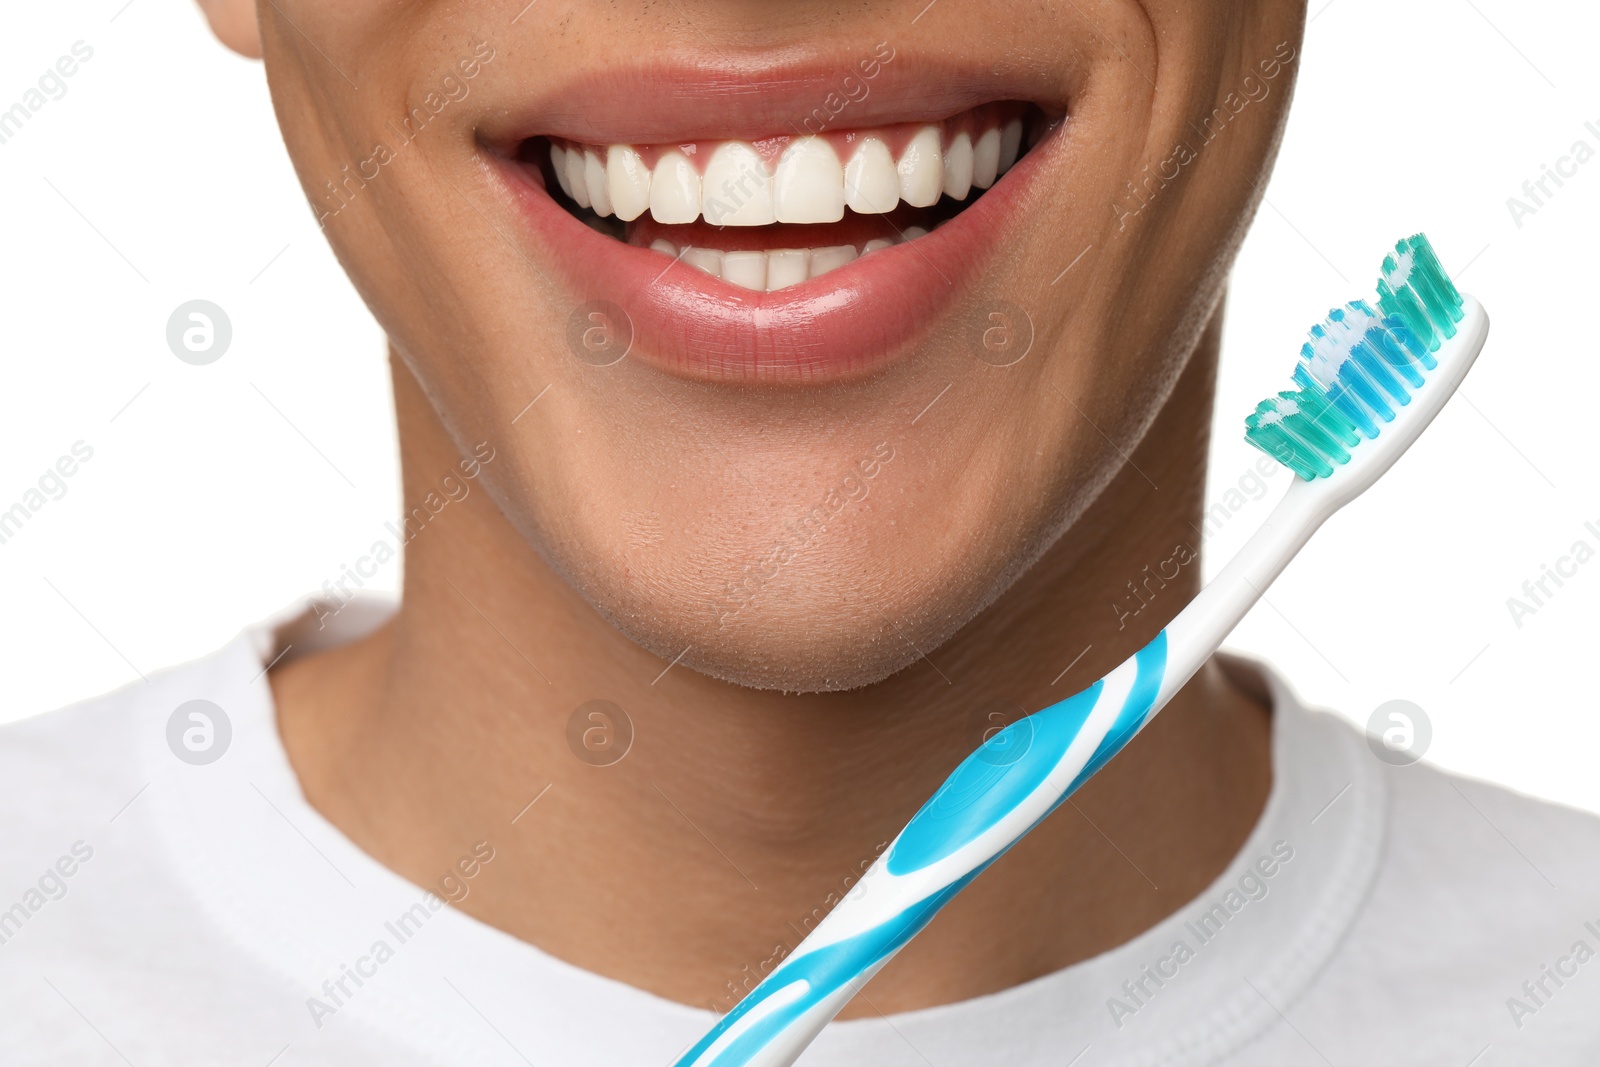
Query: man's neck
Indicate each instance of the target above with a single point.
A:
(738, 817)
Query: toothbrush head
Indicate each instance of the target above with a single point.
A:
(1363, 367)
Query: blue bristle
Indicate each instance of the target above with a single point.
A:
(1393, 355)
(1380, 372)
(1339, 397)
(1360, 383)
(1401, 332)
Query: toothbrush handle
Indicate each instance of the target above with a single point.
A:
(1201, 627)
(990, 802)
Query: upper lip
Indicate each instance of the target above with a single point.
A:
(669, 102)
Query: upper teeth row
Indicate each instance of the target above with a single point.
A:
(809, 183)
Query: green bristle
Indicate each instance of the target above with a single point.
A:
(1325, 416)
(1405, 304)
(1425, 259)
(1303, 431)
(1434, 301)
(1428, 301)
(1272, 440)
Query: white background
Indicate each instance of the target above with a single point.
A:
(217, 495)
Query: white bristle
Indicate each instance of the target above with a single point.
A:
(1401, 275)
(1344, 329)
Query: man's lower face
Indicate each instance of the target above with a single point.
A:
(691, 268)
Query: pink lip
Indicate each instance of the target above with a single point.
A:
(845, 324)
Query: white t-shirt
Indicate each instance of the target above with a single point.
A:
(158, 912)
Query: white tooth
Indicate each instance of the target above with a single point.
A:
(738, 189)
(809, 186)
(558, 162)
(875, 244)
(674, 189)
(787, 266)
(985, 158)
(706, 259)
(748, 269)
(921, 169)
(913, 232)
(871, 186)
(627, 182)
(661, 244)
(594, 176)
(825, 259)
(1010, 142)
(958, 167)
(577, 183)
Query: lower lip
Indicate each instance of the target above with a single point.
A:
(848, 323)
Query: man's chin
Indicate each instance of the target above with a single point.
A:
(780, 647)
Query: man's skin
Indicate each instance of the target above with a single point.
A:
(783, 747)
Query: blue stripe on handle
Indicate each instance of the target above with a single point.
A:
(1135, 712)
(1008, 767)
(825, 972)
(1152, 661)
(988, 785)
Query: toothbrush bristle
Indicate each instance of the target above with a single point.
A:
(1361, 365)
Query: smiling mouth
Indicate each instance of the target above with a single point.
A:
(697, 211)
(772, 213)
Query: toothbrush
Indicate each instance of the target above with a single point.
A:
(1368, 383)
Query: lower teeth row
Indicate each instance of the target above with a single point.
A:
(778, 268)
